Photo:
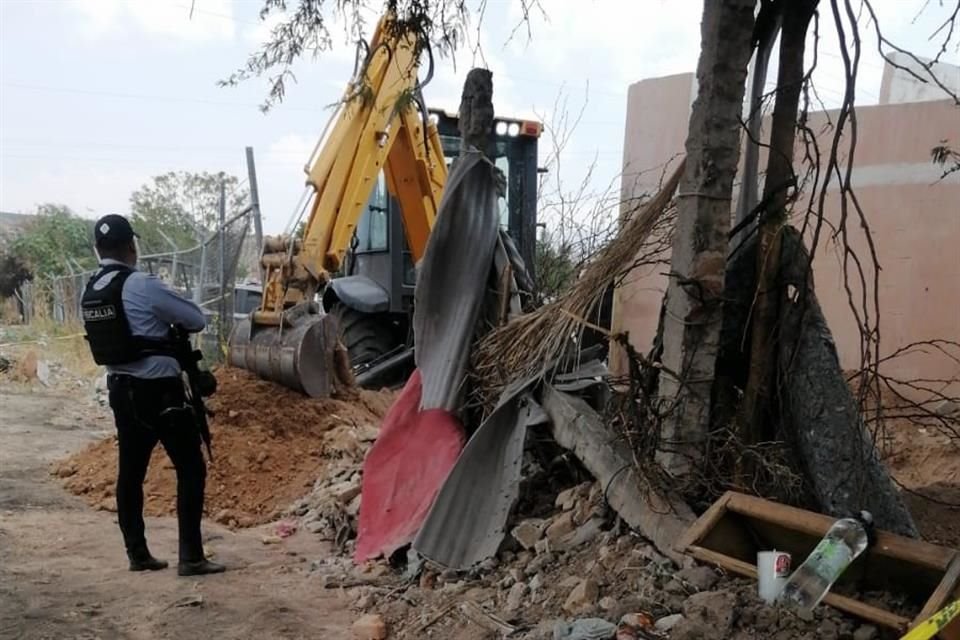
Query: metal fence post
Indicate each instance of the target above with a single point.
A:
(254, 199)
(223, 266)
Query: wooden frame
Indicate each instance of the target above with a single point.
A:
(736, 526)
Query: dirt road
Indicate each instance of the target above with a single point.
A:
(63, 570)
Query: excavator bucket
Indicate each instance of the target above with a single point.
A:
(301, 355)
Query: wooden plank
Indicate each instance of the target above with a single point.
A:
(943, 594)
(947, 591)
(739, 567)
(577, 427)
(843, 603)
(704, 523)
(815, 524)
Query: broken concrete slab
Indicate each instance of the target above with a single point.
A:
(577, 427)
(528, 532)
(516, 596)
(701, 578)
(370, 627)
(583, 534)
(560, 527)
(712, 609)
(582, 598)
(567, 499)
(667, 623)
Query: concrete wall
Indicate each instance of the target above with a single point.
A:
(900, 83)
(656, 129)
(915, 221)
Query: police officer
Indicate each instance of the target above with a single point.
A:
(128, 316)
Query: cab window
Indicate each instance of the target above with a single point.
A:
(373, 229)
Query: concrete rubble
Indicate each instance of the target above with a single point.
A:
(612, 584)
(370, 627)
(567, 565)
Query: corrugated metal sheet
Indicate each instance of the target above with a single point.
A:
(421, 436)
(403, 471)
(585, 376)
(452, 280)
(468, 519)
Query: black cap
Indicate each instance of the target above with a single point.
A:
(113, 231)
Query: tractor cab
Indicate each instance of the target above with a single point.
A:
(373, 295)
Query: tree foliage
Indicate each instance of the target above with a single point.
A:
(182, 205)
(556, 266)
(55, 242)
(946, 157)
(436, 26)
(306, 30)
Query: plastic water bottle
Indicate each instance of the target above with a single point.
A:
(845, 540)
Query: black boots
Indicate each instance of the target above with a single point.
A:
(141, 560)
(199, 568)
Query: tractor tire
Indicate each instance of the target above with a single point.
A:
(367, 336)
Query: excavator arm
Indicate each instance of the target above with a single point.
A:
(376, 127)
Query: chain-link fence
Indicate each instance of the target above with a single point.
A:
(207, 273)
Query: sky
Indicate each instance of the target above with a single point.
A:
(97, 96)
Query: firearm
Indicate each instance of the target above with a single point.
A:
(200, 383)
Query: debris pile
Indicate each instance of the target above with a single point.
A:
(575, 574)
(26, 367)
(331, 508)
(270, 446)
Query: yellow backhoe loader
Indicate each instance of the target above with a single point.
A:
(375, 180)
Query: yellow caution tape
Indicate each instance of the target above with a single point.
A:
(40, 340)
(936, 623)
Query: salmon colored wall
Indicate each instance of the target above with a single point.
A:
(915, 221)
(656, 128)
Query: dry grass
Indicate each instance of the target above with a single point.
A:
(53, 342)
(525, 346)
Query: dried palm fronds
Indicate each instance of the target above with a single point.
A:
(527, 344)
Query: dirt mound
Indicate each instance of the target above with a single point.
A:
(926, 463)
(269, 444)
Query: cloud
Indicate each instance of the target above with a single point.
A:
(259, 33)
(291, 149)
(281, 178)
(211, 20)
(90, 188)
(609, 41)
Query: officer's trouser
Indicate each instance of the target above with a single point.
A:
(148, 411)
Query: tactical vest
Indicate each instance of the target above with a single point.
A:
(105, 321)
